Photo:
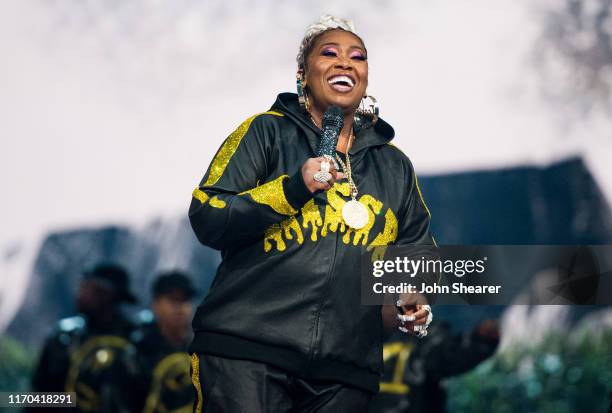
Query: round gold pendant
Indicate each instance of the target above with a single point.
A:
(355, 214)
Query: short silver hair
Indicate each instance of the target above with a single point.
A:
(326, 22)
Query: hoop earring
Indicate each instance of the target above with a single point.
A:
(302, 96)
(368, 107)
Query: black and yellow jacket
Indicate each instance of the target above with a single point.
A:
(157, 378)
(415, 368)
(287, 291)
(83, 358)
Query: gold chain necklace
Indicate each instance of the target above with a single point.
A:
(347, 167)
(354, 213)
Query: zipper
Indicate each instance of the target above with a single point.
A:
(315, 335)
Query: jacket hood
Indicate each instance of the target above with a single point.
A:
(379, 134)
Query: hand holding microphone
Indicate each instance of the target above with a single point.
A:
(320, 173)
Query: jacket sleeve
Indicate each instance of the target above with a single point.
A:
(236, 201)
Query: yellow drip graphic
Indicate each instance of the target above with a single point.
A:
(311, 216)
(333, 210)
(387, 237)
(276, 235)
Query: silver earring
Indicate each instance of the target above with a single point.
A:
(367, 113)
(302, 96)
(369, 107)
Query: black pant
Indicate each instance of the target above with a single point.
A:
(237, 386)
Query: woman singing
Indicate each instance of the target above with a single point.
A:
(282, 327)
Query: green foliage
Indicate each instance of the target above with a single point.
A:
(16, 365)
(562, 375)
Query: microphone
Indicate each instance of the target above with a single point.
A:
(333, 120)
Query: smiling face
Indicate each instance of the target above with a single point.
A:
(336, 71)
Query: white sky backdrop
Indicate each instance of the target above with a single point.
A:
(110, 111)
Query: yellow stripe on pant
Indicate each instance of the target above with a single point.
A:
(195, 379)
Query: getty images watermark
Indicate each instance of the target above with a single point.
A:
(495, 274)
(422, 266)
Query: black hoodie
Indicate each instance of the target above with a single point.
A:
(287, 291)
